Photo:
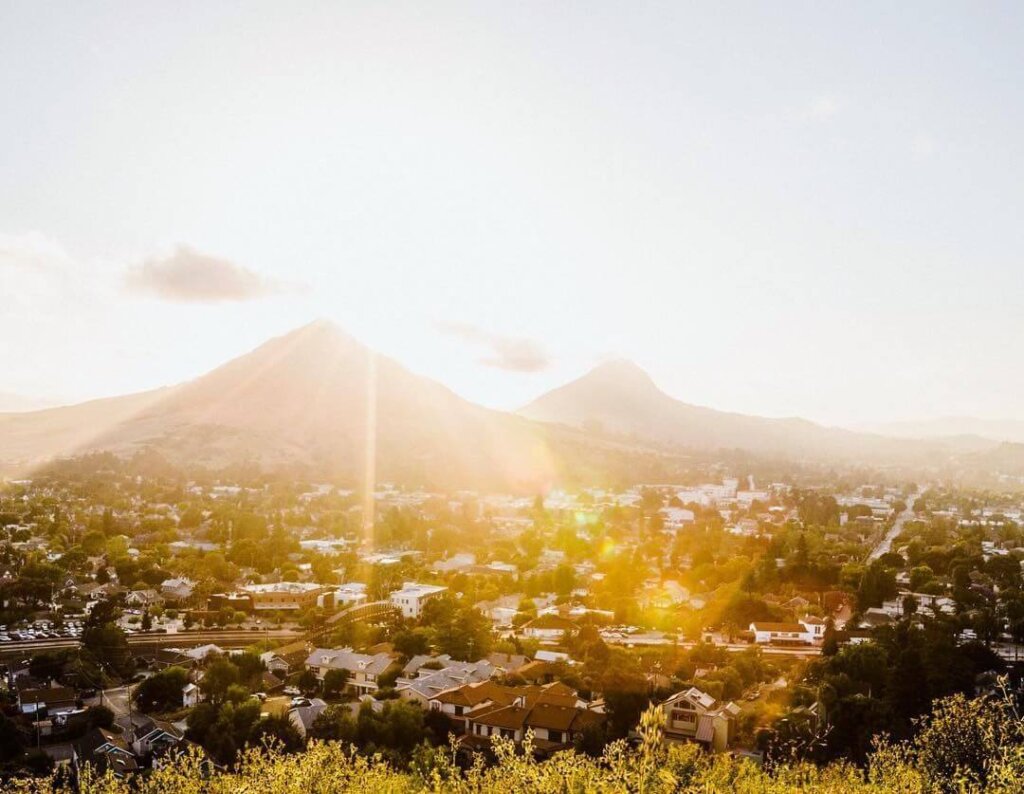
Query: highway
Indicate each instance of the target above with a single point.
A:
(231, 638)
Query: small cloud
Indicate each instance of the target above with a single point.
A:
(923, 147)
(509, 353)
(188, 276)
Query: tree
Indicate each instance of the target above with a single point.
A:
(100, 717)
(10, 739)
(308, 682)
(335, 681)
(626, 696)
(278, 730)
(220, 675)
(108, 645)
(48, 665)
(411, 643)
(162, 690)
(335, 724)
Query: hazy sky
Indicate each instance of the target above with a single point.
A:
(805, 209)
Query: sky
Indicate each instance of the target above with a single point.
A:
(787, 209)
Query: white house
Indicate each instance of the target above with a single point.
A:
(412, 597)
(549, 627)
(364, 670)
(189, 695)
(458, 562)
(808, 631)
(177, 589)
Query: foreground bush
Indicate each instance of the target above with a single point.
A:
(967, 746)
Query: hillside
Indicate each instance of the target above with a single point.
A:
(621, 399)
(301, 400)
(966, 746)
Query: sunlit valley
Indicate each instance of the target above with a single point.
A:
(582, 397)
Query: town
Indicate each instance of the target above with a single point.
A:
(147, 615)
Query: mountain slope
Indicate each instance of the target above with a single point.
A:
(18, 403)
(301, 399)
(618, 397)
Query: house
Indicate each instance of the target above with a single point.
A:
(350, 594)
(159, 738)
(143, 598)
(364, 670)
(202, 652)
(177, 589)
(427, 683)
(552, 712)
(500, 611)
(189, 695)
(277, 664)
(808, 631)
(458, 562)
(693, 715)
(303, 717)
(548, 627)
(51, 700)
(104, 751)
(507, 662)
(412, 597)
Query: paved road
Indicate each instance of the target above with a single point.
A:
(182, 639)
(885, 544)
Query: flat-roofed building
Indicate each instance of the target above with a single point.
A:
(287, 595)
(412, 597)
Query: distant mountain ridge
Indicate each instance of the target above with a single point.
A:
(318, 399)
(619, 397)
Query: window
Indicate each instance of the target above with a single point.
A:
(555, 736)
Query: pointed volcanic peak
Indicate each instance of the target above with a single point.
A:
(617, 396)
(314, 397)
(620, 399)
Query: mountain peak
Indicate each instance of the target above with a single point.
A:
(620, 371)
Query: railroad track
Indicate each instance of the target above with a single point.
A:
(182, 639)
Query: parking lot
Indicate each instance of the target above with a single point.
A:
(42, 630)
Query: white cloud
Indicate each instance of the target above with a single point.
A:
(188, 276)
(514, 354)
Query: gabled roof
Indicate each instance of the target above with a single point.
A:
(550, 621)
(347, 659)
(474, 694)
(552, 717)
(48, 695)
(789, 628)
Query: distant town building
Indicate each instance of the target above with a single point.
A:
(412, 597)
